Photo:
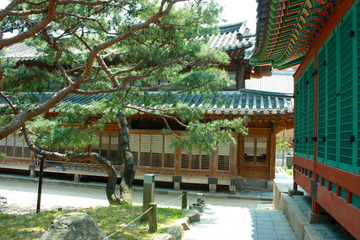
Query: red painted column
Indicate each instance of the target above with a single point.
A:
(315, 207)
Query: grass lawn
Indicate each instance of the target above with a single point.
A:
(109, 219)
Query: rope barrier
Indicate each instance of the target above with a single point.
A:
(171, 200)
(134, 220)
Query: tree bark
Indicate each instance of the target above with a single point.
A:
(86, 156)
(128, 160)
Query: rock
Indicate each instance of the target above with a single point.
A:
(177, 231)
(184, 222)
(79, 226)
(197, 206)
(164, 236)
(193, 215)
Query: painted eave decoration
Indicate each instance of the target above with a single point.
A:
(286, 30)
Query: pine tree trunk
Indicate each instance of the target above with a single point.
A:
(86, 156)
(128, 160)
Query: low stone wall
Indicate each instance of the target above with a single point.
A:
(298, 220)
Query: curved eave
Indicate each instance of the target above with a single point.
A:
(287, 32)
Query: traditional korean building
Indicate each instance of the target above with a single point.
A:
(322, 39)
(251, 162)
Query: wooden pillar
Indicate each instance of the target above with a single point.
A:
(315, 207)
(240, 75)
(233, 157)
(177, 161)
(272, 153)
(240, 153)
(213, 163)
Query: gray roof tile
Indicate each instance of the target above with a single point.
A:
(233, 37)
(242, 102)
(20, 51)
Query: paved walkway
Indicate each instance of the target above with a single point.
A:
(21, 194)
(230, 223)
(242, 216)
(226, 216)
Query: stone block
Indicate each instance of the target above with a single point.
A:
(177, 231)
(295, 193)
(184, 222)
(212, 188)
(193, 215)
(213, 181)
(177, 179)
(76, 178)
(176, 185)
(164, 236)
(318, 218)
(310, 233)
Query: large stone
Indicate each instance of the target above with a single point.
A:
(193, 215)
(164, 236)
(174, 232)
(177, 231)
(184, 222)
(70, 226)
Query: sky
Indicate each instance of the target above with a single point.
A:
(234, 11)
(240, 10)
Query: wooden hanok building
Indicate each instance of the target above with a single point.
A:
(322, 38)
(250, 162)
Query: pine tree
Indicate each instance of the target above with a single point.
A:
(123, 49)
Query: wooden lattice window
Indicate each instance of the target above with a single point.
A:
(10, 146)
(96, 148)
(145, 150)
(115, 148)
(134, 143)
(255, 150)
(14, 146)
(157, 145)
(152, 150)
(169, 156)
(224, 157)
(195, 160)
(339, 95)
(105, 144)
(3, 145)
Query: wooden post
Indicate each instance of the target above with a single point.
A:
(184, 200)
(153, 217)
(177, 161)
(200, 199)
(315, 207)
(272, 157)
(213, 163)
(148, 194)
(233, 157)
(40, 183)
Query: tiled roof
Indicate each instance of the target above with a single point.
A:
(251, 102)
(20, 51)
(233, 38)
(242, 102)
